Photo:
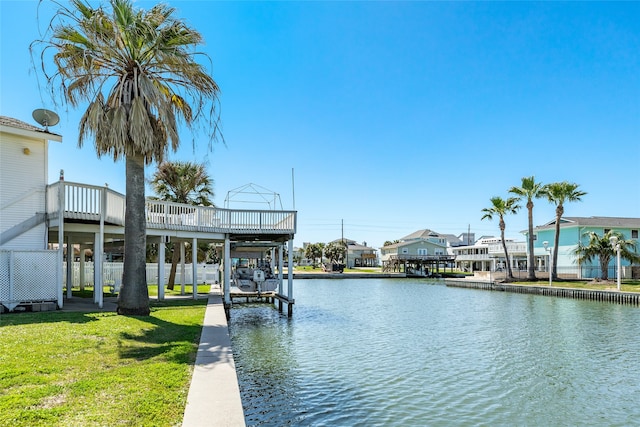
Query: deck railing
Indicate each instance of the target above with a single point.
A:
(85, 202)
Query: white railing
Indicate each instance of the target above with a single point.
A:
(177, 216)
(85, 202)
(512, 248)
(471, 257)
(114, 207)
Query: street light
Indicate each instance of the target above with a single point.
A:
(616, 247)
(549, 249)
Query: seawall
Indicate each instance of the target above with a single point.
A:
(630, 298)
(349, 275)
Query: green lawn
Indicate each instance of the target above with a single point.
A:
(97, 369)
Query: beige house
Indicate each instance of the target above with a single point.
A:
(359, 255)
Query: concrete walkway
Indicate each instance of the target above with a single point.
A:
(214, 394)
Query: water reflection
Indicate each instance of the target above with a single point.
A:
(397, 353)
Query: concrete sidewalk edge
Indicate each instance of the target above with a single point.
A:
(214, 393)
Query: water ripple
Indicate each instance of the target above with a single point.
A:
(414, 353)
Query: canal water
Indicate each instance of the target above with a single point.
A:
(390, 352)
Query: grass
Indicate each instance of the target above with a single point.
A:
(96, 369)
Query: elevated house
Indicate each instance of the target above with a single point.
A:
(359, 255)
(422, 253)
(574, 232)
(487, 254)
(37, 221)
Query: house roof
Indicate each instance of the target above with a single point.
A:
(412, 242)
(425, 233)
(20, 125)
(353, 245)
(592, 221)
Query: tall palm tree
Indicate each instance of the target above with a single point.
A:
(137, 70)
(182, 182)
(501, 207)
(600, 247)
(559, 193)
(529, 190)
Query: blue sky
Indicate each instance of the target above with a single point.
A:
(392, 116)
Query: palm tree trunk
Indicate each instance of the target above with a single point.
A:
(506, 253)
(531, 267)
(506, 257)
(174, 264)
(134, 295)
(556, 241)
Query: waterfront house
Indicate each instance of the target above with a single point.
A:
(359, 255)
(423, 251)
(574, 231)
(38, 220)
(487, 254)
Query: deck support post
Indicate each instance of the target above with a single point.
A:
(280, 274)
(161, 251)
(100, 283)
(290, 278)
(183, 269)
(70, 257)
(227, 271)
(194, 266)
(81, 267)
(60, 237)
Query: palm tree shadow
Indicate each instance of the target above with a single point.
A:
(169, 341)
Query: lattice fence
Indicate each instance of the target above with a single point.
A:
(28, 276)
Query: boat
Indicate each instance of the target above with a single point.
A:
(418, 272)
(261, 279)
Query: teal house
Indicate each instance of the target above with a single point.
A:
(574, 231)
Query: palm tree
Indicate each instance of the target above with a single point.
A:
(501, 207)
(530, 189)
(182, 182)
(559, 193)
(137, 70)
(600, 247)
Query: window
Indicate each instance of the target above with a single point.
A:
(634, 234)
(405, 250)
(422, 251)
(606, 230)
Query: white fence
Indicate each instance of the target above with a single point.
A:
(112, 274)
(28, 276)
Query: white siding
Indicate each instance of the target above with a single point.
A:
(23, 181)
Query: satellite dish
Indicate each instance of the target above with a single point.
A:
(46, 118)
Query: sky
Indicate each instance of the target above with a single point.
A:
(376, 119)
